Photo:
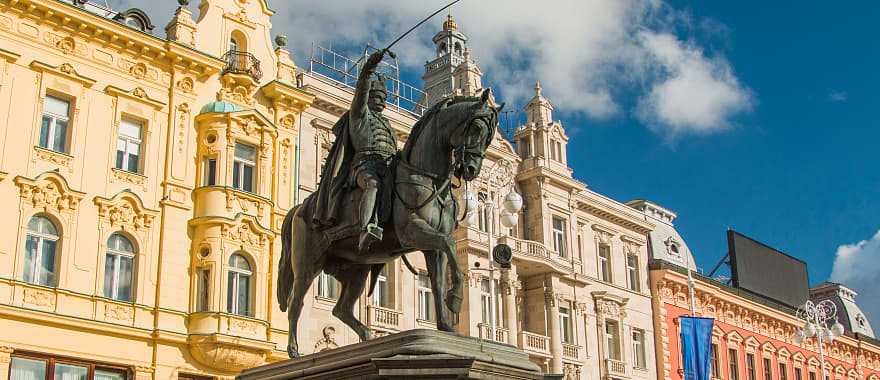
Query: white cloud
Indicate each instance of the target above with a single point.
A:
(858, 267)
(585, 53)
(838, 96)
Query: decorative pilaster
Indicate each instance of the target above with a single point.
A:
(5, 359)
(508, 290)
(555, 334)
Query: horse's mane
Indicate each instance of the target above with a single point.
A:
(417, 128)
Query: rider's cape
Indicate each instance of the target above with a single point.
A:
(335, 176)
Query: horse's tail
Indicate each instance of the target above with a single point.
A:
(285, 271)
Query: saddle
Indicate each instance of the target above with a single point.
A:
(348, 221)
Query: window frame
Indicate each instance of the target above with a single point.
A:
(233, 288)
(566, 324)
(783, 370)
(733, 363)
(210, 171)
(634, 278)
(612, 340)
(714, 361)
(425, 299)
(203, 289)
(605, 272)
(381, 297)
(559, 236)
(326, 286)
(640, 359)
(37, 259)
(114, 286)
(51, 361)
(53, 122)
(767, 363)
(128, 142)
(240, 164)
(751, 370)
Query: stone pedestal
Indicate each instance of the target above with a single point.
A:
(414, 354)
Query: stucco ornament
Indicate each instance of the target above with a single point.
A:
(328, 342)
(48, 192)
(227, 356)
(125, 211)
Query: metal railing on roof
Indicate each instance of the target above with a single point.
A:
(332, 65)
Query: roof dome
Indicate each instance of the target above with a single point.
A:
(220, 107)
(665, 242)
(848, 311)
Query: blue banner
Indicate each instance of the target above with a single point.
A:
(696, 346)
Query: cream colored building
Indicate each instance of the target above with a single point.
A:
(144, 180)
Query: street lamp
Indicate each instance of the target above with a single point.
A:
(818, 317)
(511, 205)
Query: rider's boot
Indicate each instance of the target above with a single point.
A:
(371, 232)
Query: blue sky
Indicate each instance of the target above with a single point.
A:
(751, 115)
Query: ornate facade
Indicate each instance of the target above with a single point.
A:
(752, 337)
(149, 180)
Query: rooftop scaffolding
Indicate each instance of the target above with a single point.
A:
(332, 65)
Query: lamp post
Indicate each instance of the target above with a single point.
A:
(818, 317)
(511, 206)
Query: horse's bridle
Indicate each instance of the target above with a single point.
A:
(459, 155)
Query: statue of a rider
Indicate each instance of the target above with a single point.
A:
(360, 156)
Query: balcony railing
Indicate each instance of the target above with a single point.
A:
(570, 351)
(615, 367)
(501, 333)
(383, 318)
(535, 344)
(242, 62)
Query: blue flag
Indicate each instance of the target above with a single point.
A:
(696, 346)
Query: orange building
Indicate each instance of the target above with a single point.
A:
(753, 337)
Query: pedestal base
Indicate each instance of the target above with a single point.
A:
(414, 354)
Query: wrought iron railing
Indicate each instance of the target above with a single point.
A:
(242, 62)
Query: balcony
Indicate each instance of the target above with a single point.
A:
(535, 257)
(535, 344)
(570, 351)
(382, 318)
(501, 333)
(615, 368)
(241, 62)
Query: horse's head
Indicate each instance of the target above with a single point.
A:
(472, 131)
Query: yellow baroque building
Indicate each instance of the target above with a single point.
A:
(144, 180)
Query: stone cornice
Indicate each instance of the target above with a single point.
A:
(65, 70)
(9, 56)
(137, 94)
(288, 95)
(67, 19)
(613, 211)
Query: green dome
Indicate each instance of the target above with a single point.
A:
(220, 107)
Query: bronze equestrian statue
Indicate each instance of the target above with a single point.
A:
(416, 206)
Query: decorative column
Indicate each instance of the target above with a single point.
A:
(5, 359)
(509, 293)
(143, 373)
(555, 333)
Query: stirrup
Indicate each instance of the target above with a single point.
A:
(371, 234)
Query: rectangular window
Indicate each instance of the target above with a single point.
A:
(485, 218)
(27, 369)
(553, 150)
(327, 286)
(565, 325)
(524, 148)
(70, 372)
(798, 374)
(812, 376)
(713, 363)
(604, 263)
(243, 167)
(426, 298)
(612, 340)
(204, 278)
(128, 146)
(632, 269)
(783, 372)
(768, 369)
(485, 301)
(210, 172)
(750, 367)
(53, 130)
(639, 349)
(733, 360)
(380, 294)
(559, 236)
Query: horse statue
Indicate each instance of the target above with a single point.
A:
(449, 140)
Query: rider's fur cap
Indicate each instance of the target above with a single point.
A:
(378, 85)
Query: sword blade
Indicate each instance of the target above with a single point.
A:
(420, 24)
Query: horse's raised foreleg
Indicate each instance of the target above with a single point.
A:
(436, 263)
(353, 279)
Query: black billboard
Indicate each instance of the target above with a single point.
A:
(767, 272)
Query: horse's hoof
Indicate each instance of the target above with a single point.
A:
(453, 301)
(292, 352)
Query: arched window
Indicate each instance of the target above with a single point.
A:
(238, 296)
(118, 268)
(457, 48)
(41, 245)
(443, 49)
